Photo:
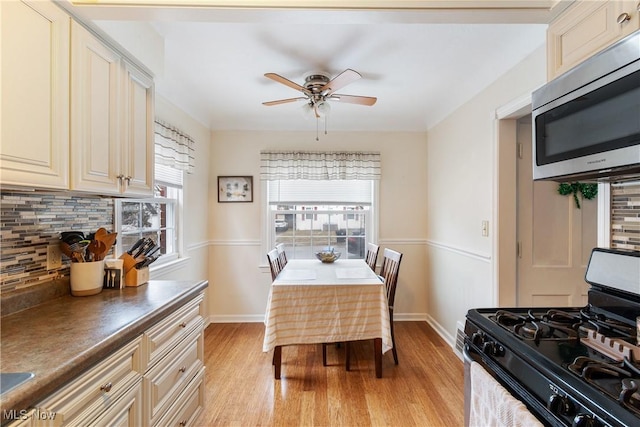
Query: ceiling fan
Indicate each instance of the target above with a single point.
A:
(319, 88)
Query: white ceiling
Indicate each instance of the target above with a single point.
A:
(421, 65)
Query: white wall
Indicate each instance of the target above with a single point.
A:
(239, 276)
(461, 163)
(195, 213)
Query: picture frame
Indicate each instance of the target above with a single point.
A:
(235, 189)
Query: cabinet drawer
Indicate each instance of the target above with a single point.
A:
(161, 338)
(188, 406)
(125, 412)
(85, 398)
(165, 381)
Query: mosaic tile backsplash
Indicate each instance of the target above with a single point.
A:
(625, 216)
(29, 222)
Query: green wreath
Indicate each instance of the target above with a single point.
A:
(588, 191)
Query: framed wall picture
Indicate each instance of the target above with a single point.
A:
(235, 189)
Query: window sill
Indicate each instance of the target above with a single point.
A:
(169, 266)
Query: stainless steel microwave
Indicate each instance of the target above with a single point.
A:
(586, 123)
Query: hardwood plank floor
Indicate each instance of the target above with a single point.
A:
(425, 389)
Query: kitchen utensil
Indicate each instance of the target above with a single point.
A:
(136, 245)
(109, 240)
(101, 233)
(71, 237)
(146, 246)
(97, 249)
(66, 249)
(78, 250)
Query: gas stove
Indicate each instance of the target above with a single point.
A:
(575, 366)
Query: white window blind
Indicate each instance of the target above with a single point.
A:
(336, 192)
(168, 175)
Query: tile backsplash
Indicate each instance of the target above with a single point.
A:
(625, 215)
(31, 221)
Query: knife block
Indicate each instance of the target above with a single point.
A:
(133, 276)
(136, 276)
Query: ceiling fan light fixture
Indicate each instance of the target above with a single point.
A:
(308, 111)
(323, 108)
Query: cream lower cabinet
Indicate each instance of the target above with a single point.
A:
(587, 27)
(108, 394)
(155, 380)
(111, 120)
(174, 349)
(34, 138)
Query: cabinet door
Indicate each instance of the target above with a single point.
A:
(584, 29)
(95, 154)
(34, 141)
(138, 149)
(632, 10)
(125, 412)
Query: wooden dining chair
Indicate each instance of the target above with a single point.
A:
(274, 263)
(389, 274)
(371, 257)
(282, 255)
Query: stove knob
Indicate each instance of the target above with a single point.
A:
(561, 405)
(585, 420)
(477, 339)
(488, 347)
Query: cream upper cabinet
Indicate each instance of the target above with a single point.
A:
(111, 119)
(34, 141)
(137, 156)
(587, 27)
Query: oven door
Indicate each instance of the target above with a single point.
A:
(534, 405)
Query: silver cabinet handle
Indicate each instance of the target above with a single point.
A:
(623, 18)
(183, 423)
(128, 179)
(183, 325)
(106, 387)
(182, 369)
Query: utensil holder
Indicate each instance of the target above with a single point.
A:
(113, 274)
(86, 278)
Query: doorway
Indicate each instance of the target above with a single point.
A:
(542, 242)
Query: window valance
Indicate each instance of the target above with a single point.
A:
(173, 147)
(310, 165)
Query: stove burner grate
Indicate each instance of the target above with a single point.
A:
(618, 380)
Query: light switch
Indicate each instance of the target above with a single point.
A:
(485, 228)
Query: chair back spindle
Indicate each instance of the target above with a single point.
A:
(282, 255)
(371, 256)
(274, 263)
(389, 272)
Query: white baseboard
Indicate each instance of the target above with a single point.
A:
(444, 334)
(237, 318)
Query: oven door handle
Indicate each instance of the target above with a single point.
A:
(470, 355)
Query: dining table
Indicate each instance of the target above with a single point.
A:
(311, 302)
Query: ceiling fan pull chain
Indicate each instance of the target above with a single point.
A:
(317, 126)
(325, 124)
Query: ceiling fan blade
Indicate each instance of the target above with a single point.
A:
(354, 99)
(340, 81)
(278, 78)
(284, 101)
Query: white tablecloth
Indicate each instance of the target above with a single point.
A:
(311, 302)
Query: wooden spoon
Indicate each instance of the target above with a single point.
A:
(97, 248)
(109, 240)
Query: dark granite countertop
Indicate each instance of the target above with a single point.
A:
(62, 338)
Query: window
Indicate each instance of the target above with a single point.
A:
(156, 218)
(320, 199)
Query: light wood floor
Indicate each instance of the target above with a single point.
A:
(425, 389)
